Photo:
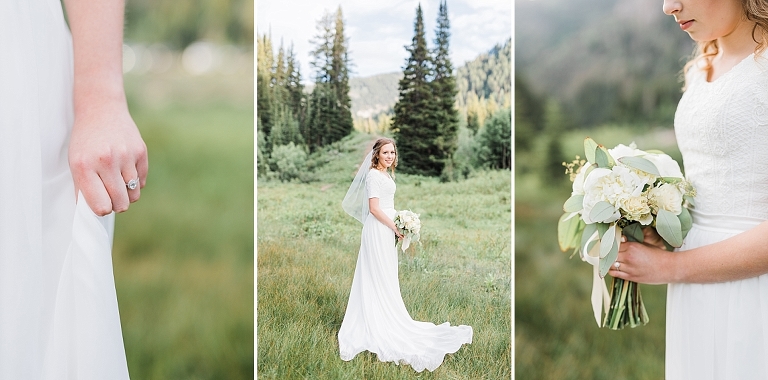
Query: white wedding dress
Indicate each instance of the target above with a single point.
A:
(58, 309)
(720, 330)
(376, 319)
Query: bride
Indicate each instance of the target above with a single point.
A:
(717, 310)
(70, 154)
(376, 319)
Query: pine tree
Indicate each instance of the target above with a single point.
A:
(264, 61)
(330, 118)
(279, 77)
(340, 79)
(416, 112)
(295, 90)
(495, 151)
(286, 128)
(444, 85)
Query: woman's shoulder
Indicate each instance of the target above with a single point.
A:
(374, 175)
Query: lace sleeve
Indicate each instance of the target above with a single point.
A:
(373, 184)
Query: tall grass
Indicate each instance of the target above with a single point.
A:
(307, 249)
(183, 254)
(556, 336)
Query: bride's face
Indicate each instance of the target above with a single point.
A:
(706, 20)
(386, 155)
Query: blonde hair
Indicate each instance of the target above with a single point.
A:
(377, 148)
(755, 11)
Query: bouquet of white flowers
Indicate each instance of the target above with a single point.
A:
(618, 192)
(409, 225)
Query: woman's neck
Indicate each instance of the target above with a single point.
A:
(739, 43)
(732, 49)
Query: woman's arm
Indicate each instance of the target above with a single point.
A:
(742, 256)
(373, 206)
(106, 150)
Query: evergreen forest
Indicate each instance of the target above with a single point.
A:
(447, 122)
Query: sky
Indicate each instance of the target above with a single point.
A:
(379, 30)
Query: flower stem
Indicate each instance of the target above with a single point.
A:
(626, 307)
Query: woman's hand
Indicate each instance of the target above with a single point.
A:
(652, 237)
(398, 234)
(106, 151)
(644, 263)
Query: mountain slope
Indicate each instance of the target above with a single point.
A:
(488, 75)
(606, 60)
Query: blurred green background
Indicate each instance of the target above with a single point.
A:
(183, 254)
(610, 70)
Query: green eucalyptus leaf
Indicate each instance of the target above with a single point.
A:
(613, 253)
(601, 211)
(672, 180)
(611, 161)
(601, 158)
(634, 232)
(589, 230)
(690, 200)
(686, 222)
(574, 203)
(568, 231)
(654, 151)
(589, 149)
(668, 227)
(640, 163)
(608, 241)
(601, 228)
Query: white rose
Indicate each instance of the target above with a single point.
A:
(637, 208)
(622, 150)
(666, 165)
(594, 185)
(667, 197)
(578, 181)
(610, 185)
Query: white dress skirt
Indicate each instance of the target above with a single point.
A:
(58, 308)
(376, 319)
(726, 321)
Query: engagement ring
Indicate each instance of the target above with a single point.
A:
(616, 265)
(133, 184)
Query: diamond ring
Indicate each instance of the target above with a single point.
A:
(616, 265)
(133, 184)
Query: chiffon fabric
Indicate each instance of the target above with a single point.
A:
(58, 308)
(720, 330)
(376, 319)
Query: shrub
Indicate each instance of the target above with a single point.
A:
(289, 160)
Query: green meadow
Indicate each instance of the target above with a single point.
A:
(183, 254)
(556, 336)
(307, 249)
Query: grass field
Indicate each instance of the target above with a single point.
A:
(183, 255)
(556, 336)
(307, 249)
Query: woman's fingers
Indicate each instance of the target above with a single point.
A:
(132, 178)
(94, 192)
(132, 185)
(142, 165)
(117, 190)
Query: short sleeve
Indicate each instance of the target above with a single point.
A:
(373, 184)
